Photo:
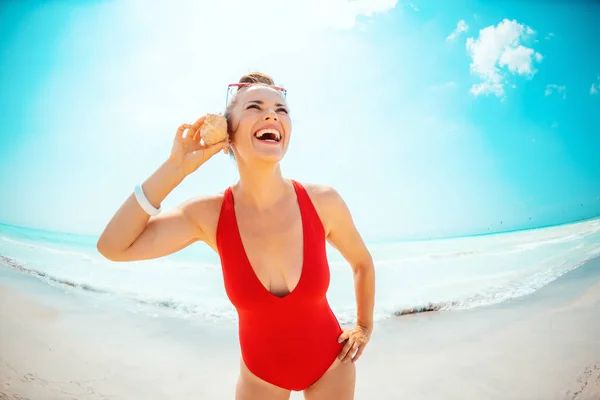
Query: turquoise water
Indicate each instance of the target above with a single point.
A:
(455, 273)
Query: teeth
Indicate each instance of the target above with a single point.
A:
(260, 133)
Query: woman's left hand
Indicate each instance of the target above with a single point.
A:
(356, 339)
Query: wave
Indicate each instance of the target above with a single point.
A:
(498, 294)
(541, 243)
(13, 263)
(491, 295)
(81, 255)
(180, 307)
(426, 308)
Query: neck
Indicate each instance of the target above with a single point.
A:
(261, 186)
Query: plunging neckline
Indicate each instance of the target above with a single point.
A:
(247, 260)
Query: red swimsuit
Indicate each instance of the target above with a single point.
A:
(288, 341)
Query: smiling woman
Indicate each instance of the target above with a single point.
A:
(256, 79)
(270, 233)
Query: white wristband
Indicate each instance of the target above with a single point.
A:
(144, 203)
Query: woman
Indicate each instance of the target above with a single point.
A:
(270, 235)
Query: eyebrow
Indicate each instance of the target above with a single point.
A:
(261, 103)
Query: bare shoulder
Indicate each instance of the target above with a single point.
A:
(204, 212)
(327, 201)
(203, 204)
(340, 230)
(323, 194)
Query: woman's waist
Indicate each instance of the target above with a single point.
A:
(314, 322)
(283, 344)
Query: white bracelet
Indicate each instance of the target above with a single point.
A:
(144, 203)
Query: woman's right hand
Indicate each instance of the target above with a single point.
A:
(188, 153)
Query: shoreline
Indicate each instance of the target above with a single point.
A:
(369, 242)
(542, 346)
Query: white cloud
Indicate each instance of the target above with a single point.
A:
(595, 87)
(488, 87)
(448, 85)
(549, 36)
(461, 27)
(551, 88)
(498, 52)
(518, 59)
(413, 6)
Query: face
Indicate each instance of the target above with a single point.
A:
(260, 124)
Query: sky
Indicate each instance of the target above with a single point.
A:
(431, 119)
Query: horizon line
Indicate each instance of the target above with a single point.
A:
(380, 241)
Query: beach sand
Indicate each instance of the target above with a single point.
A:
(60, 345)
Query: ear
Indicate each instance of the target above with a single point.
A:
(232, 125)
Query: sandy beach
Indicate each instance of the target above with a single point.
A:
(543, 346)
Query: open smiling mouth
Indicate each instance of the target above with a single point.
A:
(268, 135)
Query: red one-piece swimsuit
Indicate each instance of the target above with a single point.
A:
(288, 341)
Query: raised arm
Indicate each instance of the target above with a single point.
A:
(132, 234)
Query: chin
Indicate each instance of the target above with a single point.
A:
(260, 157)
(268, 152)
(269, 158)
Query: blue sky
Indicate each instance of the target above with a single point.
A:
(431, 119)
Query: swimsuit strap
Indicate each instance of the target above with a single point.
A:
(226, 219)
(311, 218)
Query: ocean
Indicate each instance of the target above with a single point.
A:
(411, 276)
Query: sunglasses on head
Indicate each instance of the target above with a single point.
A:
(232, 89)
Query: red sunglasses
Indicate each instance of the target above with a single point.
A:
(236, 86)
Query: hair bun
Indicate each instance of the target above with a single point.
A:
(257, 77)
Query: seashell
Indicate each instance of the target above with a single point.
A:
(214, 129)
